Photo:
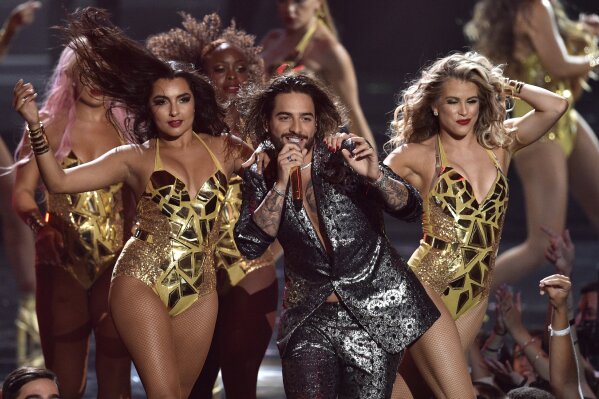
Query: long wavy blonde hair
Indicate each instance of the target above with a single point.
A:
(413, 120)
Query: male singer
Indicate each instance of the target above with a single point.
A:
(351, 305)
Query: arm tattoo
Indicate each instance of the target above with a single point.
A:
(394, 193)
(268, 215)
(311, 197)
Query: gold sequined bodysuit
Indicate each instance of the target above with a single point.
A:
(91, 224)
(172, 249)
(228, 257)
(294, 60)
(564, 131)
(457, 253)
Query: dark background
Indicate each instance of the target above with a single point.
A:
(388, 40)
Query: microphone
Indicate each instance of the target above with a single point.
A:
(348, 144)
(296, 184)
(296, 173)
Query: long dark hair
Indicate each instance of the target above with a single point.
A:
(260, 104)
(125, 71)
(16, 379)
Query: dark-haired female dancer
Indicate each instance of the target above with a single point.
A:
(247, 289)
(163, 298)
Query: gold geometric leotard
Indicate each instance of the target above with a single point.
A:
(564, 131)
(294, 60)
(227, 256)
(91, 224)
(172, 249)
(461, 237)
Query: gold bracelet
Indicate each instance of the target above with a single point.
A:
(512, 88)
(39, 128)
(38, 140)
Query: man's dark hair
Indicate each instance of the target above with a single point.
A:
(17, 378)
(258, 108)
(529, 393)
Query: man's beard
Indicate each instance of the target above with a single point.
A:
(279, 143)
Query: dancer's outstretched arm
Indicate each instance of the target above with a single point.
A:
(113, 167)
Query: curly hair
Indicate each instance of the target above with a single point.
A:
(414, 121)
(259, 104)
(491, 30)
(196, 40)
(125, 71)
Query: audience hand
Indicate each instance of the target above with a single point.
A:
(557, 288)
(561, 251)
(510, 309)
(504, 374)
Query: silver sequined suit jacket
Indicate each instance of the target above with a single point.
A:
(362, 267)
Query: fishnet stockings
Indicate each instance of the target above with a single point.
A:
(168, 352)
(242, 334)
(438, 355)
(67, 315)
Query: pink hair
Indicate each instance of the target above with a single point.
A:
(60, 98)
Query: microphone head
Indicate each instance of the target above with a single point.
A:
(348, 144)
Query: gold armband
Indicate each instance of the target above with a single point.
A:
(512, 88)
(38, 140)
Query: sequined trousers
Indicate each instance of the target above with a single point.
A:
(331, 356)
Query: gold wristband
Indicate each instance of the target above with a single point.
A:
(38, 140)
(512, 88)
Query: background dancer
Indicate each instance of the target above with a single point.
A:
(78, 240)
(308, 41)
(18, 239)
(542, 46)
